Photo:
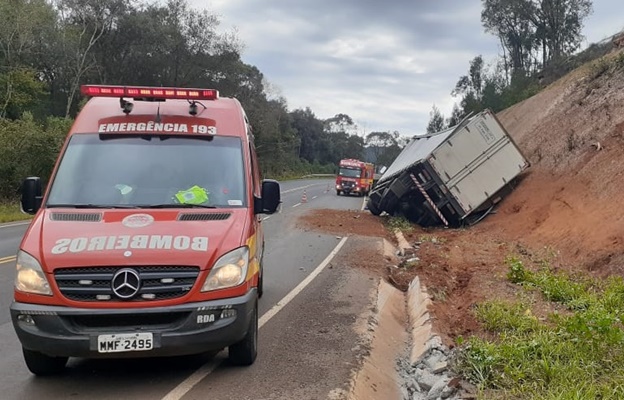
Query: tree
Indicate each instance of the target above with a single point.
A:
(558, 25)
(20, 91)
(341, 133)
(23, 28)
(436, 121)
(509, 20)
(309, 130)
(527, 28)
(341, 123)
(84, 23)
(473, 82)
(470, 87)
(456, 117)
(384, 146)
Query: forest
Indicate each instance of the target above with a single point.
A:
(48, 48)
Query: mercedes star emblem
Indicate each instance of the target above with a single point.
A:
(126, 283)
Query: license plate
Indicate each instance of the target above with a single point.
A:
(121, 342)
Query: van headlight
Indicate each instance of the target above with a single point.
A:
(229, 271)
(30, 277)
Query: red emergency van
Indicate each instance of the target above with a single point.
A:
(147, 239)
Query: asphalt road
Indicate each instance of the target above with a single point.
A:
(308, 344)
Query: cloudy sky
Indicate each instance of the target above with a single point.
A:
(384, 63)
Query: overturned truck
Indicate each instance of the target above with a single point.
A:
(453, 177)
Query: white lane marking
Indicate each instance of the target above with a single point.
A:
(314, 197)
(265, 218)
(7, 259)
(293, 293)
(364, 203)
(14, 224)
(296, 205)
(300, 188)
(183, 388)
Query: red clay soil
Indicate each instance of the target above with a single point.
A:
(567, 210)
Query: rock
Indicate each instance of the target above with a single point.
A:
(426, 380)
(436, 390)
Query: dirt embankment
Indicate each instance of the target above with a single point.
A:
(566, 210)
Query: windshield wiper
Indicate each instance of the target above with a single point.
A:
(83, 205)
(173, 205)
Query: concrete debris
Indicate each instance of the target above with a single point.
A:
(431, 378)
(426, 370)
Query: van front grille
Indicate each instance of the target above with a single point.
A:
(95, 284)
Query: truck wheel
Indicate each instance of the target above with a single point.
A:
(244, 352)
(372, 207)
(41, 364)
(337, 192)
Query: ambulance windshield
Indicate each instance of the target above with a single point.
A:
(150, 171)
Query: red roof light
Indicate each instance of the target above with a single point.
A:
(149, 92)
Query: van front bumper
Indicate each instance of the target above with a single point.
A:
(176, 330)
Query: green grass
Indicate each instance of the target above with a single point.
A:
(11, 212)
(576, 354)
(400, 223)
(431, 238)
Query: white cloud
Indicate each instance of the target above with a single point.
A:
(385, 64)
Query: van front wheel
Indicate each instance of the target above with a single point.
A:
(41, 364)
(244, 352)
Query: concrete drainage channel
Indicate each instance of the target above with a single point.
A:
(424, 373)
(418, 372)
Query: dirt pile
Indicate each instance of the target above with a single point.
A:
(565, 210)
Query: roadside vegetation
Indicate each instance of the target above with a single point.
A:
(576, 351)
(49, 48)
(10, 212)
(398, 223)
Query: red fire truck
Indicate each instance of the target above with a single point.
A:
(354, 176)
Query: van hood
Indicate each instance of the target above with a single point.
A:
(71, 238)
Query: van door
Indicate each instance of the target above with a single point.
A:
(256, 183)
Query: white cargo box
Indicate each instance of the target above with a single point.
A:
(477, 160)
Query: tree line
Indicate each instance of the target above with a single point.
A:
(537, 39)
(48, 48)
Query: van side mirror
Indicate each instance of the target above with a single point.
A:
(31, 195)
(270, 199)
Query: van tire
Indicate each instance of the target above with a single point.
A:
(244, 352)
(43, 365)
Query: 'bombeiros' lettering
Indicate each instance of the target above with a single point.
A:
(124, 242)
